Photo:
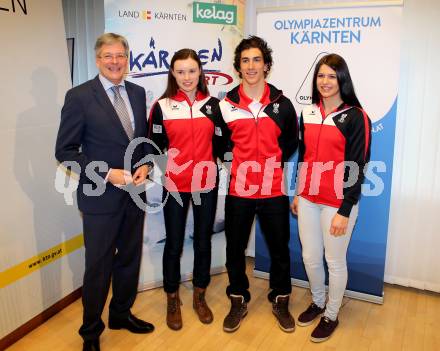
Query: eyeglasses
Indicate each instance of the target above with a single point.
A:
(109, 57)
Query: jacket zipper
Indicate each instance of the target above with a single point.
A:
(192, 135)
(257, 147)
(317, 148)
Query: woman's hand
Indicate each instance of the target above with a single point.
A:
(339, 225)
(294, 206)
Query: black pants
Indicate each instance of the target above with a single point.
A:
(273, 216)
(175, 220)
(113, 244)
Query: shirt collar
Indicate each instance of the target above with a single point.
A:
(107, 84)
(246, 100)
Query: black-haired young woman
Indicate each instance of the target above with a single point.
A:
(335, 134)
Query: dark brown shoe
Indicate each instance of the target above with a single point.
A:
(280, 308)
(174, 315)
(201, 307)
(238, 311)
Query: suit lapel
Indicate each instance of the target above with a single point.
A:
(104, 101)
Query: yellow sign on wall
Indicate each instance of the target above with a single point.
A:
(32, 264)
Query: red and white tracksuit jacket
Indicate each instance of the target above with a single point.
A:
(333, 152)
(186, 130)
(260, 141)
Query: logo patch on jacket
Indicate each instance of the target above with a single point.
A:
(218, 131)
(157, 128)
(342, 118)
(276, 108)
(208, 110)
(174, 107)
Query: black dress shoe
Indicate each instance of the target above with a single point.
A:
(131, 323)
(91, 345)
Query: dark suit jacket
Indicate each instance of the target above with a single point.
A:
(90, 130)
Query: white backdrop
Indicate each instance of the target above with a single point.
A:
(34, 221)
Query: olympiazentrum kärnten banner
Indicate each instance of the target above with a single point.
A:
(155, 31)
(368, 37)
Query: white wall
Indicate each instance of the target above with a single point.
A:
(33, 217)
(413, 257)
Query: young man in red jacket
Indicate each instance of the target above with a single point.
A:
(259, 126)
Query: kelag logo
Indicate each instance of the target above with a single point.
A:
(204, 12)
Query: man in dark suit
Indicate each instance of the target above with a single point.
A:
(98, 120)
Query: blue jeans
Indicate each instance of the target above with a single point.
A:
(175, 219)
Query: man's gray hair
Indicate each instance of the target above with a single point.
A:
(109, 39)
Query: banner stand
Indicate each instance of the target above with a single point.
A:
(348, 293)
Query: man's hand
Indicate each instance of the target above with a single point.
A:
(140, 175)
(119, 177)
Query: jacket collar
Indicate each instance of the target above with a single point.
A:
(321, 108)
(238, 98)
(181, 96)
(104, 101)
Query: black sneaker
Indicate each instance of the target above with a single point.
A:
(236, 314)
(280, 308)
(324, 330)
(309, 315)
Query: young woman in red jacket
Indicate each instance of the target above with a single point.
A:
(334, 149)
(181, 123)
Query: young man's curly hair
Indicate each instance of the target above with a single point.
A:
(253, 42)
